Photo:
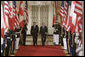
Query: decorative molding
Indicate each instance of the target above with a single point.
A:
(40, 2)
(47, 35)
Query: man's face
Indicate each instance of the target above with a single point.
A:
(43, 24)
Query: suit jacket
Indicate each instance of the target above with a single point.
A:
(34, 30)
(43, 30)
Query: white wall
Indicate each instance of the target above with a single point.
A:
(50, 19)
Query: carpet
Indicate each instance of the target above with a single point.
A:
(48, 50)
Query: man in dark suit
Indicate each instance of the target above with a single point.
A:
(43, 32)
(34, 33)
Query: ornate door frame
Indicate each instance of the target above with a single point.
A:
(40, 14)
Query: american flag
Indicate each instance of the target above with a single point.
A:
(78, 11)
(62, 9)
(62, 12)
(78, 8)
(80, 26)
(80, 22)
(66, 13)
(15, 14)
(26, 10)
(6, 15)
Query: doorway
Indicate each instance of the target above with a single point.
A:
(40, 14)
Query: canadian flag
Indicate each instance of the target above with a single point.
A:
(12, 17)
(54, 12)
(2, 24)
(72, 18)
(21, 11)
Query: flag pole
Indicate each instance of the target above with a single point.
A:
(12, 42)
(4, 51)
(77, 32)
(65, 35)
(68, 42)
(65, 32)
(83, 29)
(61, 29)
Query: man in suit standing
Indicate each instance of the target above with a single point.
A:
(34, 33)
(43, 32)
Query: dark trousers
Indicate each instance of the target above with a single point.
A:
(67, 44)
(8, 47)
(74, 50)
(24, 38)
(43, 38)
(3, 48)
(13, 45)
(70, 45)
(61, 40)
(34, 40)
